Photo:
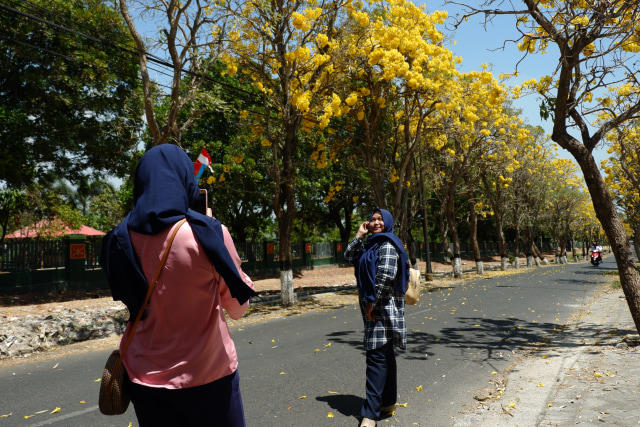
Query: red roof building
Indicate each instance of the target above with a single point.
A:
(51, 228)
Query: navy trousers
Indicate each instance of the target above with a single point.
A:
(215, 404)
(382, 381)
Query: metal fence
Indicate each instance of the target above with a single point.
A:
(18, 255)
(250, 251)
(92, 262)
(323, 250)
(36, 254)
(32, 254)
(297, 250)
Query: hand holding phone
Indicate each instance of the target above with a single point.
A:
(201, 204)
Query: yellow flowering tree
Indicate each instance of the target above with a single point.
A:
(595, 73)
(505, 201)
(398, 73)
(563, 205)
(623, 175)
(531, 185)
(474, 135)
(587, 227)
(291, 52)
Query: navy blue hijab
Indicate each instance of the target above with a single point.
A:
(164, 188)
(367, 264)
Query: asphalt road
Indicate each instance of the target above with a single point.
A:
(308, 369)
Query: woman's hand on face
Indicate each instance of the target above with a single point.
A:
(363, 230)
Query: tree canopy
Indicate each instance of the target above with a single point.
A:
(69, 91)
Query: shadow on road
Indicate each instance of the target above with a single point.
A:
(601, 270)
(490, 339)
(347, 404)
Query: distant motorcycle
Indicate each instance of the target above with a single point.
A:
(596, 258)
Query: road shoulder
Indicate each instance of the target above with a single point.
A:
(584, 364)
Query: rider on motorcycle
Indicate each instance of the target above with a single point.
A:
(596, 248)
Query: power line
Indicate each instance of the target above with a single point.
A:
(151, 58)
(68, 58)
(44, 11)
(136, 52)
(35, 8)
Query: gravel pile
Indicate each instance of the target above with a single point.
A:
(23, 335)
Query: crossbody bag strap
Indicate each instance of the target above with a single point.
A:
(152, 285)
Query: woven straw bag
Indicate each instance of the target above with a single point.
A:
(114, 398)
(412, 293)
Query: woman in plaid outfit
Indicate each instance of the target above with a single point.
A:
(382, 272)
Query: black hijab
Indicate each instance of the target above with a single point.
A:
(164, 188)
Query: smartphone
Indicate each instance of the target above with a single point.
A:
(201, 204)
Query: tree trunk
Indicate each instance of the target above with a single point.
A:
(444, 232)
(473, 235)
(539, 256)
(502, 243)
(288, 296)
(636, 243)
(411, 253)
(425, 227)
(516, 249)
(456, 262)
(528, 248)
(284, 206)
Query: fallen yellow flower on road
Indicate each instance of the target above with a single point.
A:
(404, 405)
(540, 385)
(597, 374)
(419, 388)
(302, 397)
(55, 411)
(330, 415)
(7, 415)
(512, 405)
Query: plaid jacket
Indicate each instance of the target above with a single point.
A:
(388, 305)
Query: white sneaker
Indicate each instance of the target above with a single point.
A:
(366, 422)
